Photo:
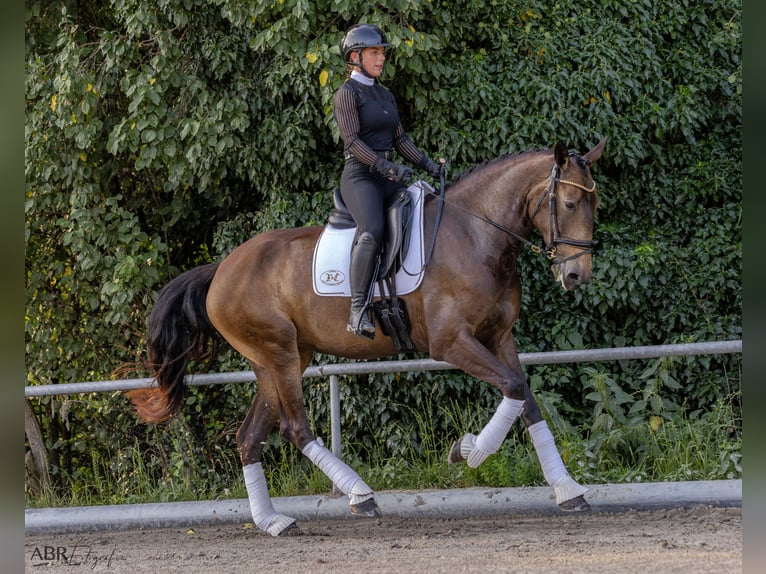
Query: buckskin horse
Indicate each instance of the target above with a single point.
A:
(259, 298)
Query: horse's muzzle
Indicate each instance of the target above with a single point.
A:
(571, 274)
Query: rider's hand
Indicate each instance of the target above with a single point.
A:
(434, 169)
(394, 172)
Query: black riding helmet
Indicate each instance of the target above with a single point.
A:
(359, 37)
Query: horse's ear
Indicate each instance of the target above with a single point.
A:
(596, 152)
(561, 153)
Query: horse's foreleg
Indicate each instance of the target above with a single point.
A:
(569, 494)
(476, 449)
(506, 374)
(474, 358)
(251, 437)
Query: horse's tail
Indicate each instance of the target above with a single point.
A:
(178, 331)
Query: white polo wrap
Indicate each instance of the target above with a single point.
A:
(341, 475)
(264, 515)
(553, 467)
(492, 436)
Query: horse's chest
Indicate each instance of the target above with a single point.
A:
(505, 267)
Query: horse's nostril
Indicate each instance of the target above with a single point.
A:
(573, 278)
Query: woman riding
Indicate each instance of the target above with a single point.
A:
(369, 124)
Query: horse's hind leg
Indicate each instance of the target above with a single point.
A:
(251, 437)
(294, 426)
(345, 479)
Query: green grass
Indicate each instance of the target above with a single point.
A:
(647, 448)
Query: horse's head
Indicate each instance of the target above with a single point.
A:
(564, 213)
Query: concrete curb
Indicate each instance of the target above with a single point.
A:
(455, 503)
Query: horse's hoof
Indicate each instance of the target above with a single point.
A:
(462, 448)
(291, 530)
(454, 453)
(577, 504)
(368, 508)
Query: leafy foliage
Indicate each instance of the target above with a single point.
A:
(161, 135)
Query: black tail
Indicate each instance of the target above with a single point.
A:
(178, 331)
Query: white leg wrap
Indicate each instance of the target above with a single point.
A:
(264, 515)
(492, 436)
(342, 475)
(553, 467)
(567, 489)
(467, 445)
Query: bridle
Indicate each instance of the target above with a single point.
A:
(555, 239)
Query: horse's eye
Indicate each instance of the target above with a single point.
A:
(570, 205)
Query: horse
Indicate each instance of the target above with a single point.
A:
(259, 299)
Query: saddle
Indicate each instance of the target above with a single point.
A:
(396, 240)
(390, 311)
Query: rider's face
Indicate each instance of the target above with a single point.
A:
(373, 60)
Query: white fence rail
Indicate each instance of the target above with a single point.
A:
(334, 370)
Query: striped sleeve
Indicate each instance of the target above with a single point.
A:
(347, 117)
(405, 146)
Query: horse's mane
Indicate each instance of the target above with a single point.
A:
(486, 163)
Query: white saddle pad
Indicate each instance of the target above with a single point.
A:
(332, 254)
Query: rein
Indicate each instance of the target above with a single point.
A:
(442, 178)
(555, 239)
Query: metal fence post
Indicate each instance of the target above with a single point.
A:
(335, 416)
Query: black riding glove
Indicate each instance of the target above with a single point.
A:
(434, 169)
(394, 172)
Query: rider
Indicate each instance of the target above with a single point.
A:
(369, 124)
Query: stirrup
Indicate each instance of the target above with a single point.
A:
(360, 324)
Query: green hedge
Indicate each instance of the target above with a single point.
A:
(161, 135)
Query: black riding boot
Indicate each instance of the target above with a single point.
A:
(364, 259)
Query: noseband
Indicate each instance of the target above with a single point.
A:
(555, 238)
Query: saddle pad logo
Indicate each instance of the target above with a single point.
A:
(332, 277)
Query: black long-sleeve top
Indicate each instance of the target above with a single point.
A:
(368, 120)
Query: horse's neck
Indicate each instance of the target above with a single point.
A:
(500, 191)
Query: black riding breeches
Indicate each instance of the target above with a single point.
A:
(366, 195)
